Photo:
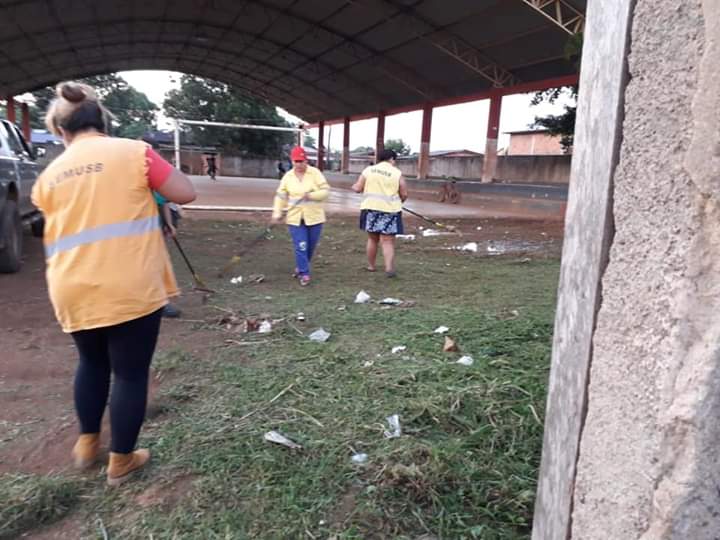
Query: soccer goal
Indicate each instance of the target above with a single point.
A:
(181, 121)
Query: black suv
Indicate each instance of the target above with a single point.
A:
(18, 172)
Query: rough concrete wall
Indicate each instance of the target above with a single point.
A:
(648, 465)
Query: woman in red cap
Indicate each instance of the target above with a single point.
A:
(303, 191)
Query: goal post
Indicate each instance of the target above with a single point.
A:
(179, 121)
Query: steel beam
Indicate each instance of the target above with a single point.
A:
(561, 13)
(449, 43)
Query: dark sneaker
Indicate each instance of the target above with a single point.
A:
(171, 312)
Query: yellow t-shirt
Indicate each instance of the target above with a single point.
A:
(291, 190)
(106, 257)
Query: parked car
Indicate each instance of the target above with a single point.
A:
(18, 172)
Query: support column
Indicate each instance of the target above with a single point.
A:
(321, 144)
(424, 159)
(25, 115)
(299, 140)
(345, 165)
(380, 138)
(491, 143)
(11, 109)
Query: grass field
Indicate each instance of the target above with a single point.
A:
(465, 465)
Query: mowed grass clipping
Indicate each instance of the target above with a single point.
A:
(466, 463)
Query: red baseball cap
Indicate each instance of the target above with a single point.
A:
(298, 154)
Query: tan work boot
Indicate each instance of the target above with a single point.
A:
(122, 466)
(86, 450)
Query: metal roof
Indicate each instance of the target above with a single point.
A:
(318, 59)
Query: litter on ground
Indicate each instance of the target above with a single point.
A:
(265, 327)
(408, 237)
(362, 298)
(441, 330)
(360, 457)
(470, 246)
(465, 361)
(398, 348)
(300, 316)
(320, 335)
(279, 438)
(450, 345)
(391, 301)
(236, 280)
(395, 429)
(433, 232)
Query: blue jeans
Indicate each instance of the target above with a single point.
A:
(305, 239)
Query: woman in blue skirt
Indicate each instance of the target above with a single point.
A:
(384, 191)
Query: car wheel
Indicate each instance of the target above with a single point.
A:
(38, 227)
(11, 231)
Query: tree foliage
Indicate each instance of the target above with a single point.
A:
(134, 113)
(205, 99)
(562, 125)
(400, 147)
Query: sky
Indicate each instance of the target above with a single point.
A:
(454, 127)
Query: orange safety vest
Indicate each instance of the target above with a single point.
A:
(106, 257)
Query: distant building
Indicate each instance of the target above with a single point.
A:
(534, 142)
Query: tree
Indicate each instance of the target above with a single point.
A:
(309, 141)
(401, 149)
(562, 125)
(205, 99)
(134, 113)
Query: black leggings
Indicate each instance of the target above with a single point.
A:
(126, 350)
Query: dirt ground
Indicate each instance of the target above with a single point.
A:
(37, 421)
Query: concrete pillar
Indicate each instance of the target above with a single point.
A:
(25, 114)
(424, 158)
(11, 109)
(636, 345)
(300, 135)
(380, 137)
(491, 143)
(345, 165)
(321, 146)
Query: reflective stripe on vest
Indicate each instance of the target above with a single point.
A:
(386, 198)
(104, 232)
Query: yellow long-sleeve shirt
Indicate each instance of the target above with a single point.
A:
(291, 191)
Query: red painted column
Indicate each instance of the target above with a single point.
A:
(491, 144)
(380, 138)
(345, 164)
(321, 146)
(424, 158)
(11, 109)
(25, 114)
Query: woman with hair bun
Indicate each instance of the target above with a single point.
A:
(108, 271)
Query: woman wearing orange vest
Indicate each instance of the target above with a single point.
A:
(303, 191)
(108, 270)
(384, 190)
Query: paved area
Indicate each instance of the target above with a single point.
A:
(258, 193)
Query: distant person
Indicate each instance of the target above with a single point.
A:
(108, 271)
(281, 170)
(211, 165)
(303, 191)
(449, 192)
(384, 190)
